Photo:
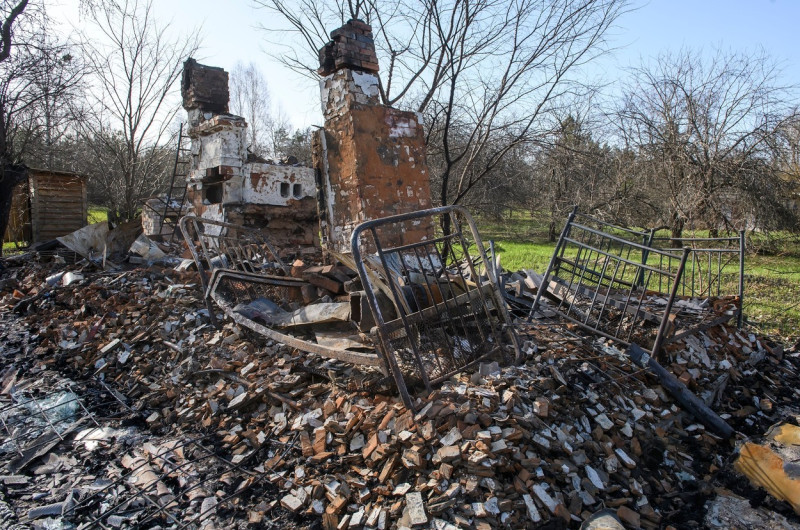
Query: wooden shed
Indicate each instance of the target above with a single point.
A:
(52, 204)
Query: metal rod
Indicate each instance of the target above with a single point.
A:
(607, 297)
(696, 239)
(625, 307)
(477, 280)
(641, 301)
(430, 293)
(608, 254)
(662, 328)
(647, 243)
(742, 242)
(597, 291)
(553, 260)
(618, 239)
(571, 302)
(387, 355)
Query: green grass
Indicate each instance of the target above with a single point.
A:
(97, 214)
(520, 240)
(13, 247)
(516, 256)
(772, 267)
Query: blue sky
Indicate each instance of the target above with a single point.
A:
(230, 34)
(703, 24)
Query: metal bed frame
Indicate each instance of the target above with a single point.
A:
(598, 279)
(450, 312)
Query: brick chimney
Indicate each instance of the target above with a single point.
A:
(352, 47)
(204, 90)
(371, 157)
(227, 183)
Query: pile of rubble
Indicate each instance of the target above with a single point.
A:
(122, 407)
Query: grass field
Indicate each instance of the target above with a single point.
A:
(97, 214)
(12, 247)
(772, 274)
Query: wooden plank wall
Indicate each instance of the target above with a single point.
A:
(58, 204)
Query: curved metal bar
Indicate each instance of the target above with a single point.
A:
(365, 359)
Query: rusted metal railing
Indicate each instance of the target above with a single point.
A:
(449, 313)
(220, 248)
(711, 260)
(238, 265)
(601, 280)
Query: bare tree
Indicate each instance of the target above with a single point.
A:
(250, 99)
(10, 176)
(135, 65)
(705, 131)
(32, 78)
(485, 73)
(790, 143)
(568, 171)
(293, 147)
(40, 88)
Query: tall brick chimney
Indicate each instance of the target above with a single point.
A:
(371, 157)
(204, 90)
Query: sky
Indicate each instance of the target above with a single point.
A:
(736, 25)
(230, 33)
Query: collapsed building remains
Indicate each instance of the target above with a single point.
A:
(227, 183)
(371, 168)
(127, 402)
(122, 406)
(369, 158)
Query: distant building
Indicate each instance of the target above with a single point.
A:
(50, 204)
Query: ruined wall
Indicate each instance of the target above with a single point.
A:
(371, 157)
(279, 185)
(223, 185)
(152, 214)
(218, 141)
(283, 199)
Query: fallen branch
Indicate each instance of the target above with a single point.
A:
(683, 395)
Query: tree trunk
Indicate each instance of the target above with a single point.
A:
(10, 176)
(551, 232)
(676, 230)
(551, 227)
(443, 200)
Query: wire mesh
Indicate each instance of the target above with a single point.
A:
(33, 420)
(449, 313)
(164, 483)
(129, 478)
